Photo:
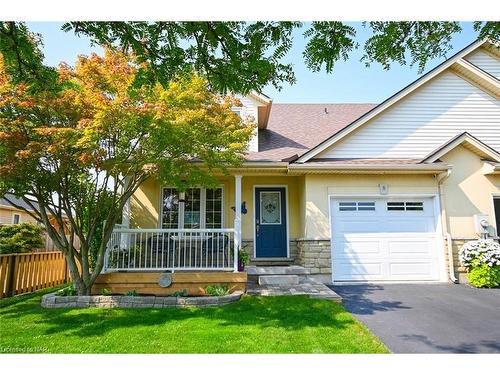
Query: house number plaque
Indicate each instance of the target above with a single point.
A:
(165, 280)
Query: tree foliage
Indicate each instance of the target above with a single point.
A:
(20, 238)
(82, 148)
(242, 56)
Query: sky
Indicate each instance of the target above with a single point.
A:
(350, 82)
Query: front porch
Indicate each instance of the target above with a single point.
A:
(184, 234)
(260, 212)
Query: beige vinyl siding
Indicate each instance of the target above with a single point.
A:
(6, 215)
(250, 109)
(424, 120)
(486, 62)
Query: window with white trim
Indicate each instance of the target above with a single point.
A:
(238, 110)
(405, 206)
(199, 208)
(16, 219)
(356, 206)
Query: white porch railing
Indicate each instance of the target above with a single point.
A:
(171, 250)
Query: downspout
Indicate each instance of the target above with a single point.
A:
(451, 268)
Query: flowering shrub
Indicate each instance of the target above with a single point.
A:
(482, 258)
(478, 252)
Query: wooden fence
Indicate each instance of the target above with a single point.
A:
(22, 273)
(51, 246)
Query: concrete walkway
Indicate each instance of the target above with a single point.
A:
(428, 318)
(308, 287)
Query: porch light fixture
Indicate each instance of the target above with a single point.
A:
(243, 208)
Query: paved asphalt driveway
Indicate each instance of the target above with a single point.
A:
(428, 318)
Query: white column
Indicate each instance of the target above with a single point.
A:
(124, 237)
(126, 215)
(126, 208)
(237, 219)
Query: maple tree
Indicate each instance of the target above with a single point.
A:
(82, 147)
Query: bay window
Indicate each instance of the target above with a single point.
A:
(197, 208)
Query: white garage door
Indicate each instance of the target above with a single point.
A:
(384, 240)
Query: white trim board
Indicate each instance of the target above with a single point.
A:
(462, 138)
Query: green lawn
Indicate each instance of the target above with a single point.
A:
(252, 325)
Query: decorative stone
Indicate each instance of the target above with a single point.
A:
(165, 280)
(169, 301)
(52, 301)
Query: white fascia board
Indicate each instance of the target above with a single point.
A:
(464, 138)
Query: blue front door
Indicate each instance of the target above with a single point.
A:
(270, 222)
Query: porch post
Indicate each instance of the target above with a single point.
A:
(237, 219)
(125, 219)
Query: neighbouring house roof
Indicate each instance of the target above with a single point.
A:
(293, 129)
(467, 140)
(4, 202)
(456, 60)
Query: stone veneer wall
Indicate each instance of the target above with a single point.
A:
(315, 255)
(460, 272)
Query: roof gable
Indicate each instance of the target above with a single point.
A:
(329, 142)
(467, 140)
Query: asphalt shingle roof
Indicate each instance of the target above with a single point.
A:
(17, 201)
(294, 129)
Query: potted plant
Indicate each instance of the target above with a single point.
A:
(243, 259)
(482, 260)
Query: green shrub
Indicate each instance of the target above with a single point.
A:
(132, 293)
(20, 238)
(70, 290)
(180, 293)
(217, 290)
(243, 257)
(484, 276)
(105, 292)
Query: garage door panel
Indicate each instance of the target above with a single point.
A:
(358, 226)
(411, 247)
(358, 248)
(386, 225)
(384, 244)
(414, 225)
(410, 271)
(354, 271)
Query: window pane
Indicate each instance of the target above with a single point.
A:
(347, 206)
(270, 207)
(366, 206)
(395, 206)
(213, 208)
(170, 209)
(414, 206)
(405, 206)
(192, 212)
